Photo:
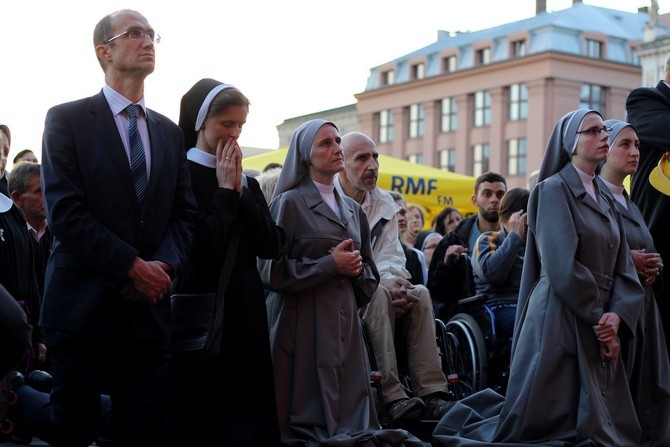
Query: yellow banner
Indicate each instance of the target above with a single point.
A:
(432, 188)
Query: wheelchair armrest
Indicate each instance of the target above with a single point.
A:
(481, 298)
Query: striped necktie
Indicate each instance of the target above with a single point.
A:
(138, 164)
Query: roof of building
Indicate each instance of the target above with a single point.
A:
(559, 31)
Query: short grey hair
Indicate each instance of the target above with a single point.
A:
(20, 176)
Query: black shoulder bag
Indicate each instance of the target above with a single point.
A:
(197, 318)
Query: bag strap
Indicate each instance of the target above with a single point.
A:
(377, 231)
(227, 268)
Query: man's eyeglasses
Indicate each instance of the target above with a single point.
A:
(595, 131)
(137, 34)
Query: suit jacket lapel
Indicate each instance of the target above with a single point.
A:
(105, 125)
(157, 140)
(103, 122)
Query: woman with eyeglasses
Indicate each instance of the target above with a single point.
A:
(646, 356)
(579, 299)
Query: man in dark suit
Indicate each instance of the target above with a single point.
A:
(648, 109)
(117, 247)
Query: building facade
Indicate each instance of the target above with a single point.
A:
(344, 117)
(655, 47)
(488, 100)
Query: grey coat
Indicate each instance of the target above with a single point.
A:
(577, 267)
(646, 357)
(560, 388)
(321, 370)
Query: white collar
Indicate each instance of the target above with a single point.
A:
(201, 157)
(5, 203)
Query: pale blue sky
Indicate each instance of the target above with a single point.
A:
(290, 58)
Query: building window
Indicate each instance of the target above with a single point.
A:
(388, 77)
(593, 97)
(480, 159)
(635, 60)
(419, 71)
(448, 107)
(594, 49)
(482, 108)
(483, 56)
(416, 121)
(385, 126)
(449, 64)
(518, 48)
(518, 102)
(448, 160)
(516, 156)
(416, 159)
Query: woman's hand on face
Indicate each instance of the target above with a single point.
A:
(517, 223)
(229, 164)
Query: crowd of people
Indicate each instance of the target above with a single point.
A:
(329, 274)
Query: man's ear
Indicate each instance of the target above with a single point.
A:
(473, 199)
(102, 52)
(16, 198)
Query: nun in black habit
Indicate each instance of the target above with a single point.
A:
(229, 399)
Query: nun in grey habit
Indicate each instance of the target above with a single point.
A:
(646, 356)
(566, 387)
(320, 365)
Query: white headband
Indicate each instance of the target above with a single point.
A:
(204, 107)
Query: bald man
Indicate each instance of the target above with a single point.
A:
(397, 304)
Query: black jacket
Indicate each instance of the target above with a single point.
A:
(449, 284)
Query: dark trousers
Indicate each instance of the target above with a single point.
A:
(133, 372)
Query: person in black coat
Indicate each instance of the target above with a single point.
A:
(17, 288)
(230, 398)
(450, 272)
(17, 274)
(648, 109)
(26, 192)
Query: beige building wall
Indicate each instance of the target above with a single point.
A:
(554, 81)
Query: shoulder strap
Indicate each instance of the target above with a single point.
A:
(377, 231)
(227, 269)
(213, 344)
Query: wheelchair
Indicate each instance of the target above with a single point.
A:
(476, 350)
(423, 428)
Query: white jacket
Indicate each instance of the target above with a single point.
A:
(386, 249)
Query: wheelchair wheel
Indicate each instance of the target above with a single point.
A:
(466, 356)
